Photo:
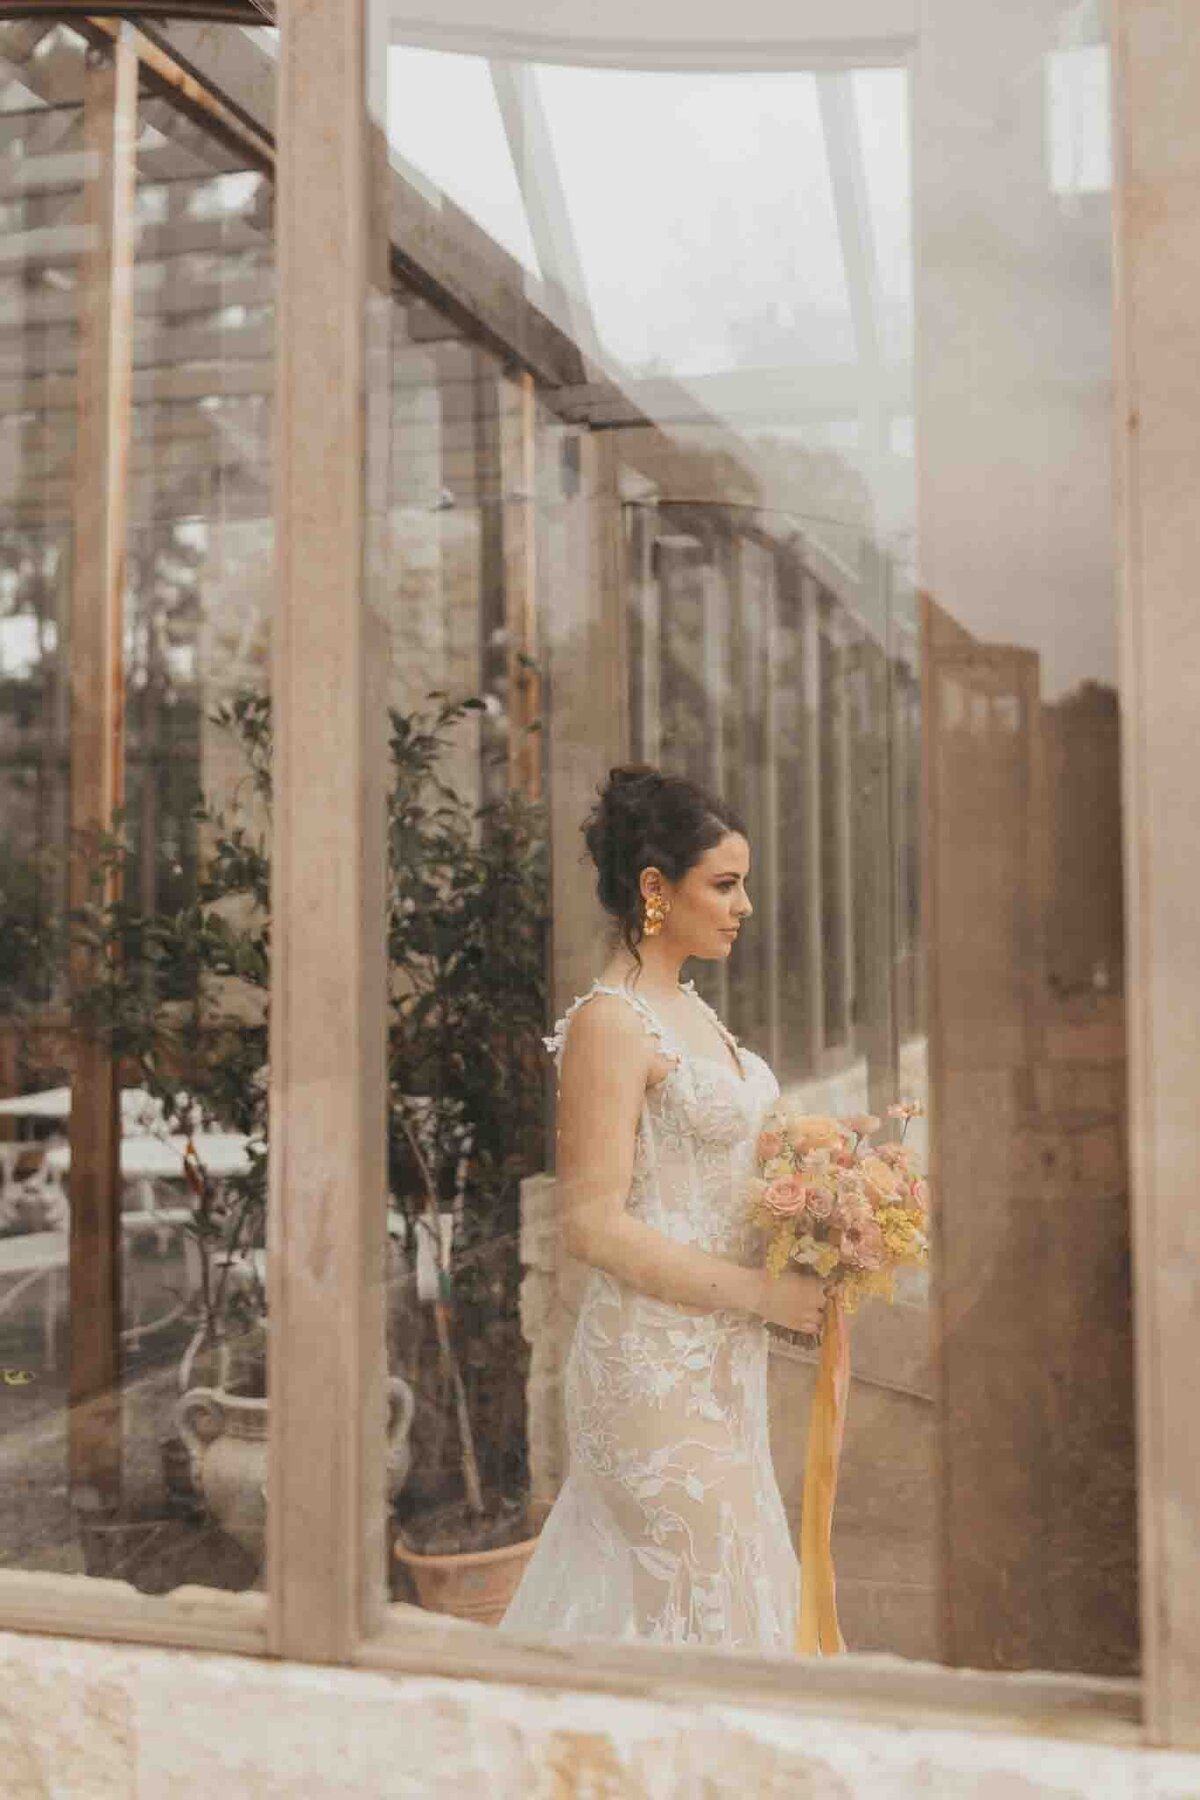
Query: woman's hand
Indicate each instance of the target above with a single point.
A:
(795, 1300)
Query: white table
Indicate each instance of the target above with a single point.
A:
(44, 1256)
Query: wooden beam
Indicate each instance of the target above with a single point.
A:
(51, 246)
(175, 297)
(226, 12)
(97, 743)
(328, 1188)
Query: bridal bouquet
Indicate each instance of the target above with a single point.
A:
(853, 1212)
(835, 1203)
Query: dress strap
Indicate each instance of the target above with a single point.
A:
(689, 987)
(556, 1042)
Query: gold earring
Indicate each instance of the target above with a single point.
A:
(654, 912)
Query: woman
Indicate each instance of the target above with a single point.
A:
(670, 1524)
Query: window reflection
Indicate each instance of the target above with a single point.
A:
(655, 440)
(727, 572)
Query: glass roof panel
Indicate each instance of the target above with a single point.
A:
(444, 121)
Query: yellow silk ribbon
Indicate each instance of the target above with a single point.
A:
(819, 1633)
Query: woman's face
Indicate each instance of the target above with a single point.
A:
(708, 905)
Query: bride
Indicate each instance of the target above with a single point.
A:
(670, 1524)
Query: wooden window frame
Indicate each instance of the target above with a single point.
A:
(325, 1589)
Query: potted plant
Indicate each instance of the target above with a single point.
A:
(182, 999)
(468, 922)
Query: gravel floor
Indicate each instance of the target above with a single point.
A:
(157, 1538)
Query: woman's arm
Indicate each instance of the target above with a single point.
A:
(605, 1067)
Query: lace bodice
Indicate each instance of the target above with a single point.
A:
(670, 1524)
(696, 1133)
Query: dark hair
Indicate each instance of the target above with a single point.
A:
(644, 819)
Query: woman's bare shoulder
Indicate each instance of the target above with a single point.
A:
(608, 1021)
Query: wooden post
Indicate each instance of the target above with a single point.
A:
(97, 742)
(836, 846)
(518, 471)
(327, 1209)
(873, 903)
(1157, 138)
(589, 727)
(807, 815)
(769, 884)
(645, 634)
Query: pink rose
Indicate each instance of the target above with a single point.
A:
(785, 1197)
(819, 1205)
(862, 1246)
(770, 1145)
(851, 1208)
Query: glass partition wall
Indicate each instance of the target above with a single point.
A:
(656, 456)
(137, 556)
(731, 586)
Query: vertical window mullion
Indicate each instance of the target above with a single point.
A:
(326, 1513)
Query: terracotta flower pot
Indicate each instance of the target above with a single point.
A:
(470, 1584)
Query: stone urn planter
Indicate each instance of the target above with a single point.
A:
(226, 1436)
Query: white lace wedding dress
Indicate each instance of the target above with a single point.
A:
(670, 1524)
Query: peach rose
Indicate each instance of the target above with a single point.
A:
(814, 1131)
(770, 1145)
(881, 1181)
(862, 1123)
(785, 1197)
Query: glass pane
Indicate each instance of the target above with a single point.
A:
(468, 910)
(689, 547)
(132, 1260)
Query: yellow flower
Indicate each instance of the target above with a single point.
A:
(779, 1253)
(819, 1256)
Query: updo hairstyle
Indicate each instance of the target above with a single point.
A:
(644, 819)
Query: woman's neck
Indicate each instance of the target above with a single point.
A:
(660, 971)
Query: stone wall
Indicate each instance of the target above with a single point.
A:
(88, 1721)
